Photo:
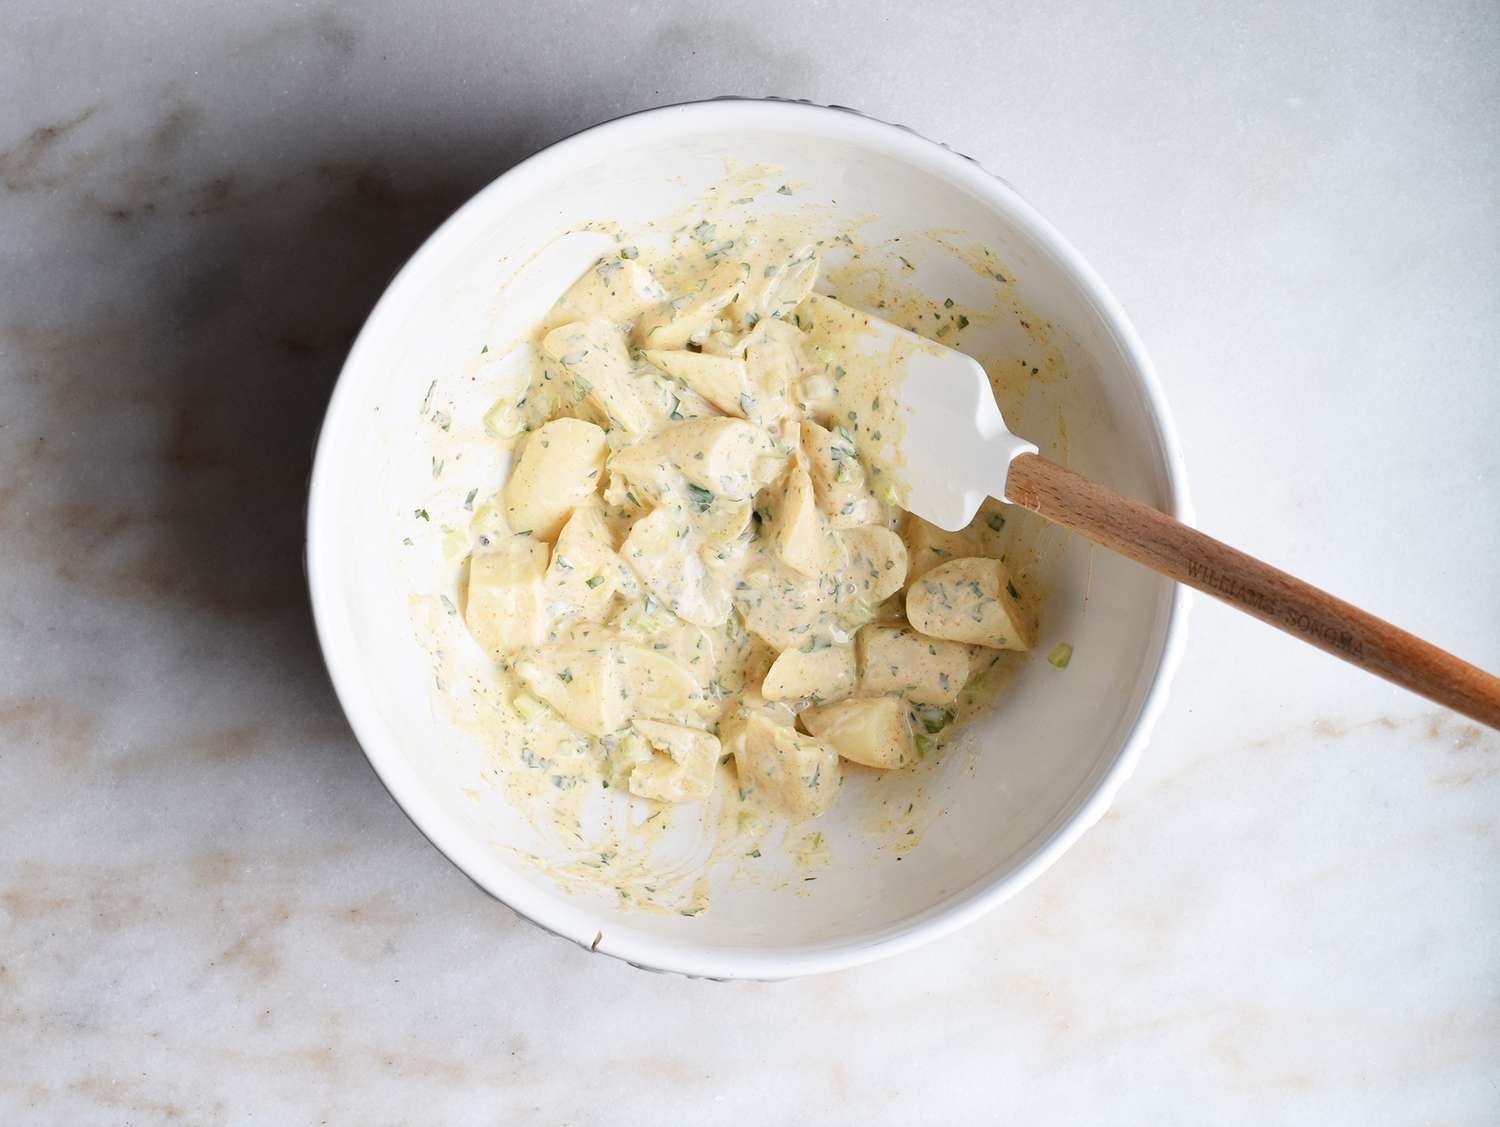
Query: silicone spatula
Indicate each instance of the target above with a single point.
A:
(957, 451)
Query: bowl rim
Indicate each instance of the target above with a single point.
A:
(543, 908)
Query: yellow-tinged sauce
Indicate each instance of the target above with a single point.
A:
(703, 459)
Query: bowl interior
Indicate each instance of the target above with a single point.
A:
(999, 803)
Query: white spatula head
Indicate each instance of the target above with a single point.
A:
(955, 449)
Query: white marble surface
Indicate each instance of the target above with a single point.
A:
(210, 912)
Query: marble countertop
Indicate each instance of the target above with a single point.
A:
(210, 911)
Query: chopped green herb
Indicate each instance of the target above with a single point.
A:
(595, 581)
(1010, 589)
(421, 514)
(1061, 654)
(933, 719)
(427, 399)
(995, 521)
(628, 252)
(783, 191)
(483, 350)
(700, 497)
(963, 322)
(947, 303)
(469, 500)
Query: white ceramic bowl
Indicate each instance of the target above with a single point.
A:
(1022, 785)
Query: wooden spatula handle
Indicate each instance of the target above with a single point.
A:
(1154, 539)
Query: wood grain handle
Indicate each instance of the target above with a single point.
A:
(1154, 539)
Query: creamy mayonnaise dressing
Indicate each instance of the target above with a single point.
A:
(612, 609)
(699, 558)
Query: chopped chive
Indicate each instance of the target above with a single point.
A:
(700, 497)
